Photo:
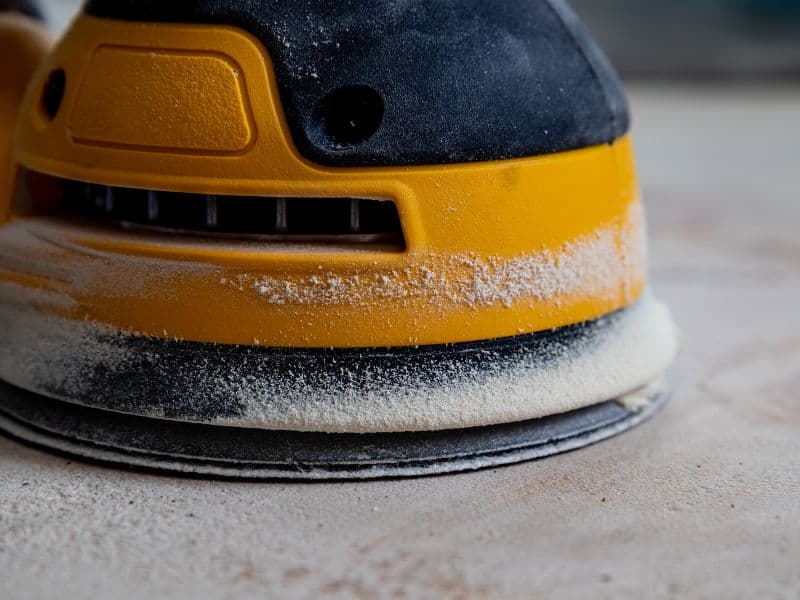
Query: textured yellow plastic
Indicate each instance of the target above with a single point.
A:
(171, 101)
(220, 136)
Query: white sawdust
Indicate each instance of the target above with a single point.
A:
(44, 251)
(38, 352)
(633, 351)
(41, 351)
(599, 264)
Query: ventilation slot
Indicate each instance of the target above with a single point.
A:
(291, 219)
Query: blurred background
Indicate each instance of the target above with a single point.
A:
(671, 38)
(698, 38)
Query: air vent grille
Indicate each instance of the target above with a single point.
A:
(334, 219)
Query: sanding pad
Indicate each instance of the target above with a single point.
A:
(230, 452)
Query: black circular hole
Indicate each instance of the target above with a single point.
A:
(350, 115)
(53, 93)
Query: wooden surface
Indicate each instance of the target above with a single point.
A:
(703, 501)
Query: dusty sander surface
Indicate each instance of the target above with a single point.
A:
(702, 501)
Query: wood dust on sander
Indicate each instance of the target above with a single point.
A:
(618, 354)
(51, 355)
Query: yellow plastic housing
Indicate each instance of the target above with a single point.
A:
(492, 249)
(23, 44)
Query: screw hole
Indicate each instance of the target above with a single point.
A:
(349, 116)
(53, 92)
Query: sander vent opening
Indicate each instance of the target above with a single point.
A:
(270, 218)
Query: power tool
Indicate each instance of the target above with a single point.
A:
(322, 240)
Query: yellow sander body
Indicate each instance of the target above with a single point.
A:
(216, 257)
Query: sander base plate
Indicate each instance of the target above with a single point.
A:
(228, 452)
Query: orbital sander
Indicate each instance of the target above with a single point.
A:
(321, 240)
